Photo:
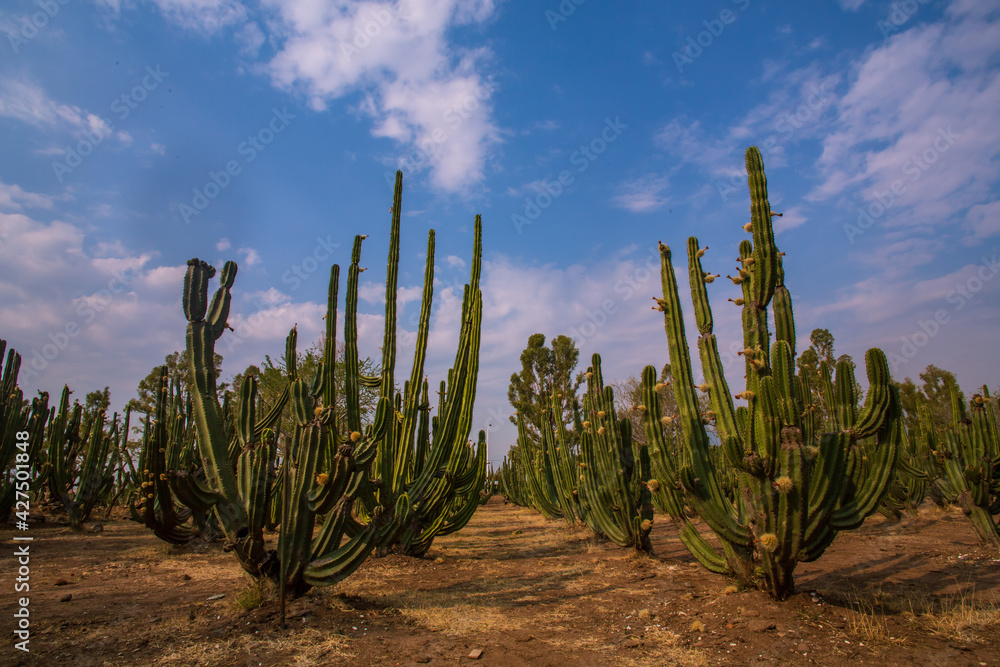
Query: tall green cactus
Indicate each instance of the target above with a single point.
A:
(969, 453)
(429, 476)
(325, 464)
(18, 415)
(80, 487)
(799, 482)
(615, 473)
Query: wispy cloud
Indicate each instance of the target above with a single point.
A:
(643, 194)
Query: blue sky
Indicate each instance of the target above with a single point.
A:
(138, 134)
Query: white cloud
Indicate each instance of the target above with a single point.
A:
(159, 149)
(454, 261)
(205, 16)
(250, 256)
(29, 103)
(646, 193)
(223, 245)
(423, 92)
(14, 198)
(920, 114)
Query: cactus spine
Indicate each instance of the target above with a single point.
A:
(797, 482)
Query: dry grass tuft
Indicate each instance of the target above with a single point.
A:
(870, 627)
(962, 618)
(461, 619)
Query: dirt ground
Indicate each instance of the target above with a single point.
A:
(519, 589)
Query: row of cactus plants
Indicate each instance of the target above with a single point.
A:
(72, 460)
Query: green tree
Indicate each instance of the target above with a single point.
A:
(272, 377)
(935, 393)
(96, 402)
(545, 371)
(820, 350)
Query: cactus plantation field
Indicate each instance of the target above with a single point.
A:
(336, 521)
(524, 592)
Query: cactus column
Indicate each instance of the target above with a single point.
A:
(797, 482)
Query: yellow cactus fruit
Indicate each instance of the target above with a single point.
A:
(646, 525)
(640, 408)
(769, 541)
(653, 485)
(704, 387)
(666, 421)
(600, 431)
(318, 411)
(355, 436)
(586, 424)
(322, 478)
(784, 484)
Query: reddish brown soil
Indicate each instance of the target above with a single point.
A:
(522, 590)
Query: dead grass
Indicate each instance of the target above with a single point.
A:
(962, 617)
(870, 627)
(304, 648)
(461, 619)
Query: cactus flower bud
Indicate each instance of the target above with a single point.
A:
(769, 541)
(784, 484)
(601, 413)
(355, 436)
(646, 525)
(322, 478)
(600, 431)
(586, 424)
(653, 485)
